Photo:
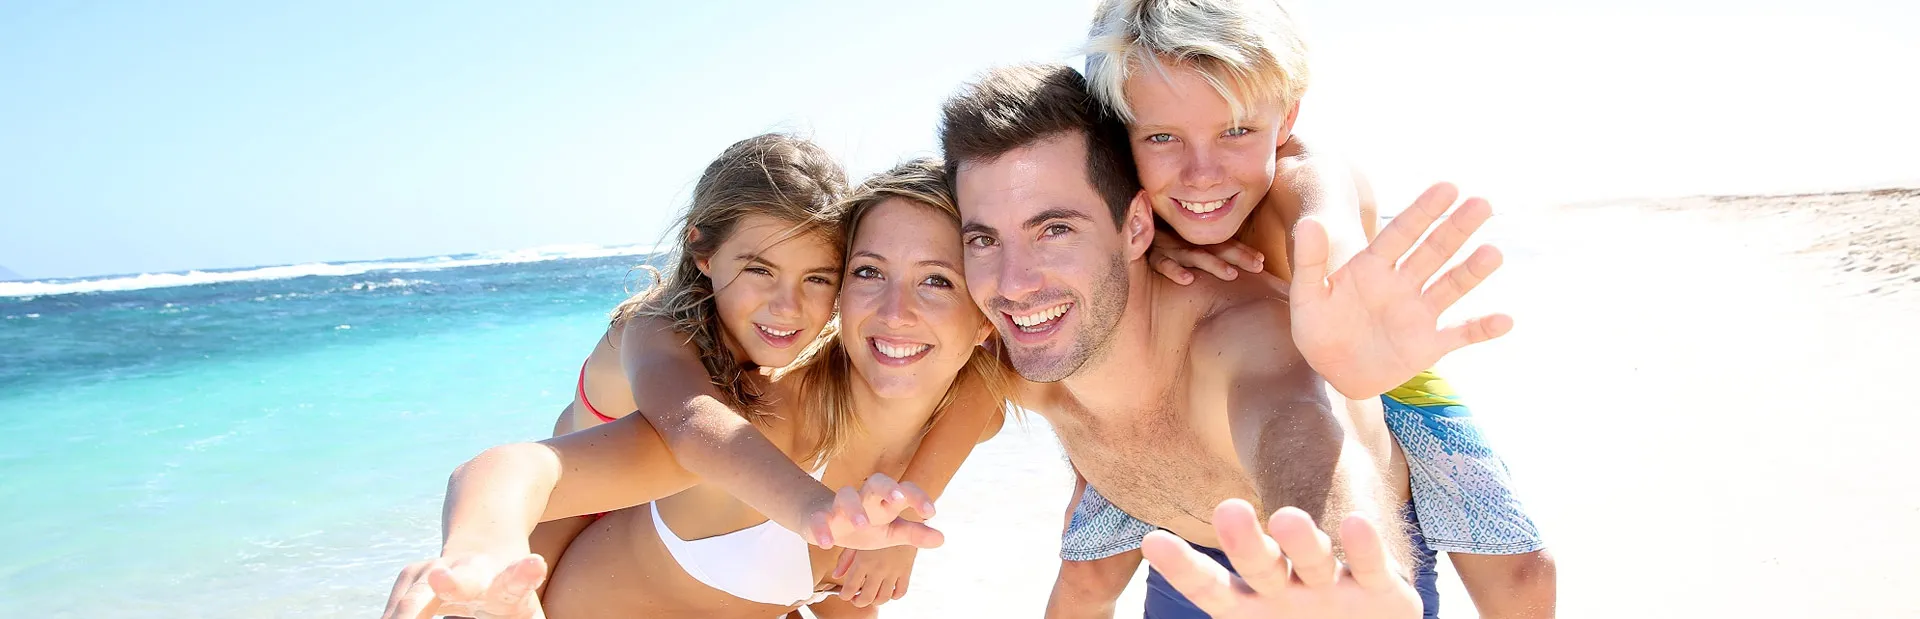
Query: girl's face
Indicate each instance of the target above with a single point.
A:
(906, 319)
(774, 288)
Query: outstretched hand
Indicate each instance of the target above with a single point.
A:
(869, 518)
(1292, 573)
(1371, 325)
(479, 586)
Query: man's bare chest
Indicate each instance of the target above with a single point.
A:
(1156, 469)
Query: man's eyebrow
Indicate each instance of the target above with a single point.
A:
(974, 227)
(1055, 213)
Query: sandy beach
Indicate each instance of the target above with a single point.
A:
(1700, 404)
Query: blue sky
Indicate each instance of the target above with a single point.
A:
(154, 137)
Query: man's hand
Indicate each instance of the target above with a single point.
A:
(479, 586)
(1371, 325)
(869, 518)
(1293, 573)
(1172, 256)
(875, 577)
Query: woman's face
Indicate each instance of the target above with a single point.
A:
(906, 320)
(773, 288)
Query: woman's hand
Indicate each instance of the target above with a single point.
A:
(875, 577)
(1172, 256)
(478, 586)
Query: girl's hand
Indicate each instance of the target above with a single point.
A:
(875, 577)
(479, 586)
(1172, 256)
(869, 518)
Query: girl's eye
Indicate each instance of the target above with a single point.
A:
(939, 281)
(866, 272)
(1160, 138)
(1056, 230)
(759, 271)
(820, 279)
(1238, 131)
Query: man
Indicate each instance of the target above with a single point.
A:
(1173, 399)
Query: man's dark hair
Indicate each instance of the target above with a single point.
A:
(1010, 108)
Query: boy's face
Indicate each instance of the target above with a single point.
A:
(1202, 171)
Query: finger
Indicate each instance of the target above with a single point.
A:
(1254, 555)
(848, 509)
(1206, 261)
(509, 592)
(1310, 255)
(819, 529)
(844, 564)
(1310, 551)
(1474, 331)
(417, 601)
(885, 592)
(1462, 278)
(1172, 270)
(850, 588)
(900, 587)
(1241, 255)
(905, 532)
(921, 502)
(1412, 223)
(1446, 239)
(461, 587)
(1205, 583)
(409, 575)
(869, 589)
(1366, 554)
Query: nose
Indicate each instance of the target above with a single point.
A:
(1019, 274)
(1201, 170)
(785, 302)
(897, 309)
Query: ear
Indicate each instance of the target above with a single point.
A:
(986, 331)
(704, 264)
(1138, 227)
(1286, 127)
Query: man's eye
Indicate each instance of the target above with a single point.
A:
(1056, 230)
(982, 241)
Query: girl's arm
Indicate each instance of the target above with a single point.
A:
(716, 443)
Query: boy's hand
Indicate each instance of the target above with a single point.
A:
(869, 518)
(481, 586)
(1172, 256)
(875, 577)
(1371, 325)
(1293, 573)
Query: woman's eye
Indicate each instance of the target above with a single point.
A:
(1160, 138)
(940, 281)
(866, 272)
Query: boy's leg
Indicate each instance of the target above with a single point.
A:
(1521, 586)
(1099, 554)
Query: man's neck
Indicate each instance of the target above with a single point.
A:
(1132, 373)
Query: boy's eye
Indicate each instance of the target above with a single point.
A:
(1160, 138)
(866, 272)
(1238, 131)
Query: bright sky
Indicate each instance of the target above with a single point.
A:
(170, 136)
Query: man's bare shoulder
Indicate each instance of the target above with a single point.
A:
(1246, 318)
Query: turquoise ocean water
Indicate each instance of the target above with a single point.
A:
(269, 442)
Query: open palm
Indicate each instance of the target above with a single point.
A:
(1372, 324)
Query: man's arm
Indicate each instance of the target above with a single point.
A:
(1299, 451)
(709, 438)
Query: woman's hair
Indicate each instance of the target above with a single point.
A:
(826, 389)
(775, 175)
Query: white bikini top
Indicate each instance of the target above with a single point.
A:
(763, 563)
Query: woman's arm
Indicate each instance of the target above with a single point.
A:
(974, 417)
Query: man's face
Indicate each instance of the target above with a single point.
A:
(1044, 260)
(1202, 170)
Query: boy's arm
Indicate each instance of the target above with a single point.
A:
(1327, 190)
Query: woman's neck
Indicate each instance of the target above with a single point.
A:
(892, 425)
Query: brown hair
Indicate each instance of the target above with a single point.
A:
(775, 175)
(1011, 108)
(826, 386)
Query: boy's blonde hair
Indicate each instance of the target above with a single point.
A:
(1249, 50)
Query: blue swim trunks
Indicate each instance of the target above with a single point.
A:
(1461, 488)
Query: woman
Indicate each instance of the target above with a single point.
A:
(906, 356)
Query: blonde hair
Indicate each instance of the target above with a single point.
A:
(776, 175)
(1248, 50)
(826, 388)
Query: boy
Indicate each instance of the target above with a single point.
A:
(1210, 91)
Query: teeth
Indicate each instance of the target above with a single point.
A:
(1202, 208)
(764, 329)
(1042, 316)
(900, 352)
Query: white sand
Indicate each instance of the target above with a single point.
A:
(1700, 405)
